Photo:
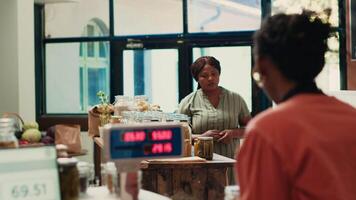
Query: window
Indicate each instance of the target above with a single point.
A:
(329, 78)
(153, 73)
(223, 15)
(63, 20)
(75, 72)
(93, 66)
(135, 47)
(137, 17)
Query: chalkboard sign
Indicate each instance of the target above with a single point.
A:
(353, 28)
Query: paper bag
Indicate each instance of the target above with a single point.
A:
(93, 122)
(69, 134)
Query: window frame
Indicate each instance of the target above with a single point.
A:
(184, 42)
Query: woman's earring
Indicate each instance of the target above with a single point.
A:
(257, 77)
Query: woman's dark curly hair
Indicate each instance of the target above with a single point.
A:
(295, 43)
(199, 64)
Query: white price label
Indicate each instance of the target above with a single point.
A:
(29, 190)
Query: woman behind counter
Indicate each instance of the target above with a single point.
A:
(214, 110)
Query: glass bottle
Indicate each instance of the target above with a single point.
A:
(7, 133)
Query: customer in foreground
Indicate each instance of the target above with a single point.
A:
(305, 147)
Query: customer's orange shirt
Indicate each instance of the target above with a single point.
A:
(305, 148)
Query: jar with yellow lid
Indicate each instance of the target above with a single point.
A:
(203, 147)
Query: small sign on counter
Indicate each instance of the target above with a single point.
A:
(29, 173)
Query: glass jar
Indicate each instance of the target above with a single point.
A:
(126, 117)
(203, 147)
(145, 117)
(84, 176)
(232, 192)
(141, 103)
(7, 133)
(187, 133)
(111, 177)
(115, 119)
(122, 103)
(169, 117)
(156, 116)
(92, 177)
(69, 178)
(62, 151)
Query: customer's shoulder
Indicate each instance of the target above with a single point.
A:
(277, 116)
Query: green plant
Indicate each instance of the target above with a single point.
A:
(102, 97)
(104, 108)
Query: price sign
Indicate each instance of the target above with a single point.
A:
(144, 141)
(29, 189)
(29, 174)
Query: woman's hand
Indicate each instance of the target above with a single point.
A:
(226, 136)
(212, 133)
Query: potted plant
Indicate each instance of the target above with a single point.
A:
(105, 109)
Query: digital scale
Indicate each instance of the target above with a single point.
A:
(128, 144)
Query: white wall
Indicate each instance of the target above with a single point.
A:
(8, 57)
(17, 78)
(17, 68)
(26, 59)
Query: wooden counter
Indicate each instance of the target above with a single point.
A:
(181, 179)
(187, 180)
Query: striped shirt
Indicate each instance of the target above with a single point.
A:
(204, 116)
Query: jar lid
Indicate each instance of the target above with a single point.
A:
(83, 167)
(232, 190)
(61, 147)
(67, 161)
(110, 166)
(82, 164)
(5, 120)
(116, 117)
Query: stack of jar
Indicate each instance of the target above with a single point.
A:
(121, 104)
(109, 177)
(138, 103)
(69, 178)
(74, 177)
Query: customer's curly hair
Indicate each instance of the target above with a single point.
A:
(295, 43)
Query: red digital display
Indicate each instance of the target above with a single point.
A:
(145, 141)
(134, 136)
(157, 135)
(159, 148)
